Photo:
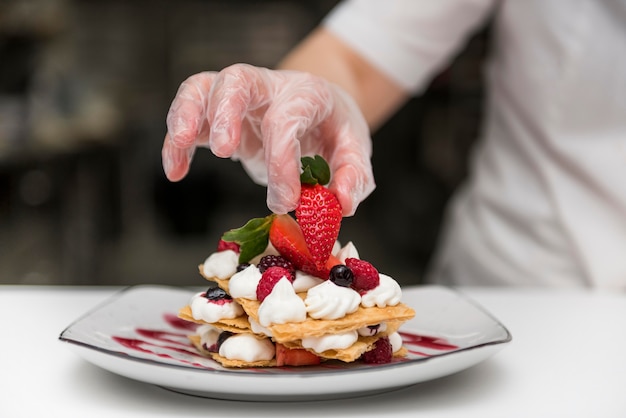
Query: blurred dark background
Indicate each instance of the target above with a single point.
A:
(84, 90)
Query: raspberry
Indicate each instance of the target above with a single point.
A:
(276, 261)
(380, 354)
(227, 245)
(365, 275)
(270, 277)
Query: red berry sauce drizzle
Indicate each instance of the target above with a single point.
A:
(174, 345)
(159, 342)
(412, 341)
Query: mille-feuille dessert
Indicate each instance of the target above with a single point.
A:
(284, 292)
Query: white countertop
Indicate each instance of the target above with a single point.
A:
(567, 359)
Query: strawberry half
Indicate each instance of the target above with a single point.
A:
(286, 236)
(319, 211)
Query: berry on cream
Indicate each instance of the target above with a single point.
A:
(372, 330)
(208, 336)
(387, 293)
(212, 311)
(243, 284)
(282, 305)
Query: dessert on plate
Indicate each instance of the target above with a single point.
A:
(284, 292)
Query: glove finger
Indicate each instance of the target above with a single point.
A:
(186, 119)
(351, 183)
(282, 159)
(176, 160)
(238, 92)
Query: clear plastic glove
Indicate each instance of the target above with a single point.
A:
(268, 119)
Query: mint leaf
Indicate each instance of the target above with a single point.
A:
(252, 237)
(315, 170)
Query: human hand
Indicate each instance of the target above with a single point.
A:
(268, 119)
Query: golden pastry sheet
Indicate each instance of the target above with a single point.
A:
(318, 327)
(235, 325)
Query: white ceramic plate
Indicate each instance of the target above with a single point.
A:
(136, 334)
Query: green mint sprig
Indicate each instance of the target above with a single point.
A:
(252, 237)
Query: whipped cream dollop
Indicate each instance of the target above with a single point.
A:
(396, 341)
(208, 335)
(243, 284)
(330, 341)
(347, 251)
(372, 330)
(282, 305)
(258, 328)
(221, 264)
(212, 311)
(247, 347)
(387, 293)
(329, 301)
(305, 281)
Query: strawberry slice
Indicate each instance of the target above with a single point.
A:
(286, 236)
(295, 356)
(319, 211)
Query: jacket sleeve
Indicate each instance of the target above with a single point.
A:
(409, 40)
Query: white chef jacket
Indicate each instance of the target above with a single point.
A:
(545, 201)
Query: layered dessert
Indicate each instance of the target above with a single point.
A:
(284, 292)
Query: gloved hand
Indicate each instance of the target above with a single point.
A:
(268, 119)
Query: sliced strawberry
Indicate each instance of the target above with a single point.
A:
(287, 238)
(295, 356)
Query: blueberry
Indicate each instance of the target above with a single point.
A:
(242, 267)
(216, 293)
(341, 275)
(373, 329)
(221, 338)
